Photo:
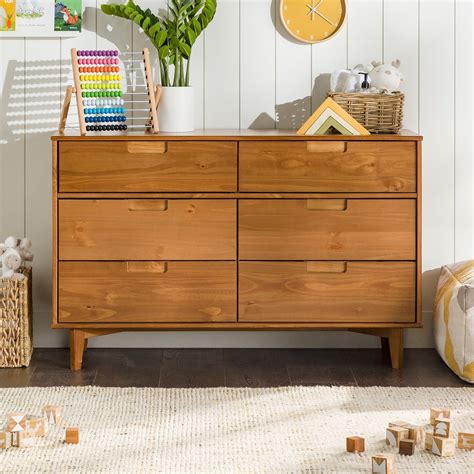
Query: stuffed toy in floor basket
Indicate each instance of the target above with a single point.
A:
(454, 318)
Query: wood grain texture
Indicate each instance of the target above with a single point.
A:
(108, 229)
(368, 229)
(287, 292)
(115, 167)
(231, 134)
(187, 292)
(300, 167)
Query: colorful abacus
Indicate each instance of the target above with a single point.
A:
(98, 89)
(100, 78)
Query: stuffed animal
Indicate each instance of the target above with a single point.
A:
(13, 255)
(385, 77)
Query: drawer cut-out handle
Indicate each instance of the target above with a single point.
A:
(147, 147)
(147, 267)
(326, 267)
(326, 147)
(327, 204)
(148, 205)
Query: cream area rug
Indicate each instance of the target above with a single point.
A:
(227, 430)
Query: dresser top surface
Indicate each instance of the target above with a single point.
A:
(232, 135)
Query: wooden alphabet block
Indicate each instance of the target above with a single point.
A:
(16, 422)
(5, 439)
(443, 446)
(402, 424)
(395, 434)
(382, 463)
(38, 424)
(428, 440)
(52, 413)
(416, 433)
(407, 447)
(355, 444)
(23, 439)
(439, 413)
(72, 435)
(442, 428)
(466, 440)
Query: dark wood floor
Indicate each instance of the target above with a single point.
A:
(231, 368)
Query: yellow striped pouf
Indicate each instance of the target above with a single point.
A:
(454, 318)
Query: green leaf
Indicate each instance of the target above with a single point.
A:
(185, 49)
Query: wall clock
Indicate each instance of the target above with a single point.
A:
(312, 21)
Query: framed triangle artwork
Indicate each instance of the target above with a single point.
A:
(331, 116)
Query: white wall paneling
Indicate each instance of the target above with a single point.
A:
(366, 31)
(248, 72)
(401, 32)
(293, 79)
(464, 126)
(257, 64)
(437, 122)
(12, 136)
(221, 67)
(327, 57)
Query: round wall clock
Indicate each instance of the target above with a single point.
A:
(312, 21)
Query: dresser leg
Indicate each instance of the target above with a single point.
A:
(77, 343)
(395, 342)
(392, 342)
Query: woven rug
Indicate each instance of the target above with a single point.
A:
(226, 430)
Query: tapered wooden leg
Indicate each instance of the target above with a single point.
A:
(385, 347)
(395, 342)
(391, 337)
(77, 341)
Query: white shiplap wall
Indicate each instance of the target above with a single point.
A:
(247, 72)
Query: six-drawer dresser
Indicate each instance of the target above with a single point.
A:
(236, 230)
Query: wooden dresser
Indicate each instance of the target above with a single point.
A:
(232, 230)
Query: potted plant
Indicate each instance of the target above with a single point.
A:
(173, 36)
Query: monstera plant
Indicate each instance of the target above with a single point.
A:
(173, 35)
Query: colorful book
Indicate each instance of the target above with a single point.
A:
(7, 15)
(67, 15)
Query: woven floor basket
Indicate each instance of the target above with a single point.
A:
(378, 113)
(16, 328)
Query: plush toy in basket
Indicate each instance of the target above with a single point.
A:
(371, 94)
(16, 338)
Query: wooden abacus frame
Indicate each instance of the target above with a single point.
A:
(154, 93)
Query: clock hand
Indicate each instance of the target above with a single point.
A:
(324, 18)
(312, 8)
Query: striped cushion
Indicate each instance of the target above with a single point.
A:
(454, 318)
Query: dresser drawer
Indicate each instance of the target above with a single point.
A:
(147, 292)
(327, 229)
(333, 292)
(327, 166)
(150, 229)
(147, 166)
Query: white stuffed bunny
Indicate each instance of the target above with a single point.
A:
(386, 77)
(13, 256)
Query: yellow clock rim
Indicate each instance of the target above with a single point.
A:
(341, 24)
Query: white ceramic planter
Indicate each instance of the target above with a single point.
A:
(176, 109)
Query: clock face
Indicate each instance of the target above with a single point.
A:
(312, 21)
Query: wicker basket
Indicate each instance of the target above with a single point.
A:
(16, 328)
(378, 113)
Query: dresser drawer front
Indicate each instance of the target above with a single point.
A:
(333, 292)
(147, 166)
(327, 166)
(327, 229)
(147, 292)
(150, 229)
